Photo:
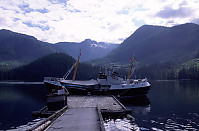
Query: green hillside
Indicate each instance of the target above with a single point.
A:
(52, 65)
(21, 48)
(151, 44)
(189, 70)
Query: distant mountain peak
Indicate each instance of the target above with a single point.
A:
(89, 41)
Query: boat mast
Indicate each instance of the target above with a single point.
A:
(130, 70)
(74, 74)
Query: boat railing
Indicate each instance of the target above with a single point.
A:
(137, 80)
(53, 79)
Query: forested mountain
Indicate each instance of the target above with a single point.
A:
(151, 44)
(17, 49)
(52, 65)
(159, 51)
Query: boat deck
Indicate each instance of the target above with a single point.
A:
(82, 83)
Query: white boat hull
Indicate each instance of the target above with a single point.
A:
(124, 88)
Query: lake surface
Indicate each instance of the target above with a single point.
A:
(17, 101)
(170, 105)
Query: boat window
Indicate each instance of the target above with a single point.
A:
(103, 77)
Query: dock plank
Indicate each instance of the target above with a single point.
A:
(77, 119)
(101, 102)
(82, 113)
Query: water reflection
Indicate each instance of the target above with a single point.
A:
(174, 106)
(17, 103)
(120, 125)
(139, 104)
(170, 105)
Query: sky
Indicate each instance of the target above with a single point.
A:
(109, 21)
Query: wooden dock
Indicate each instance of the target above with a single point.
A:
(100, 102)
(84, 113)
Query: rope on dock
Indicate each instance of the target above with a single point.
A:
(119, 102)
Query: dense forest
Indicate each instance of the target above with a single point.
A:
(189, 70)
(56, 65)
(168, 71)
(53, 65)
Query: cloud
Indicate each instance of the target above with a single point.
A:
(169, 12)
(195, 20)
(2, 21)
(101, 20)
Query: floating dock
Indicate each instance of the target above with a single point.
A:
(84, 113)
(77, 119)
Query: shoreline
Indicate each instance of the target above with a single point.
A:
(21, 82)
(179, 80)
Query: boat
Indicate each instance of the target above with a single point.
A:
(56, 100)
(80, 87)
(116, 85)
(106, 83)
(57, 97)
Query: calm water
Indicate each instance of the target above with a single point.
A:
(17, 101)
(170, 105)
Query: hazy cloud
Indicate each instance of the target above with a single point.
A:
(101, 20)
(2, 21)
(196, 20)
(169, 12)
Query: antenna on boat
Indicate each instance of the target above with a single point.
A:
(76, 65)
(130, 70)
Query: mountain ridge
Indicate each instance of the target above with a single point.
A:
(22, 49)
(142, 43)
(90, 49)
(158, 50)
